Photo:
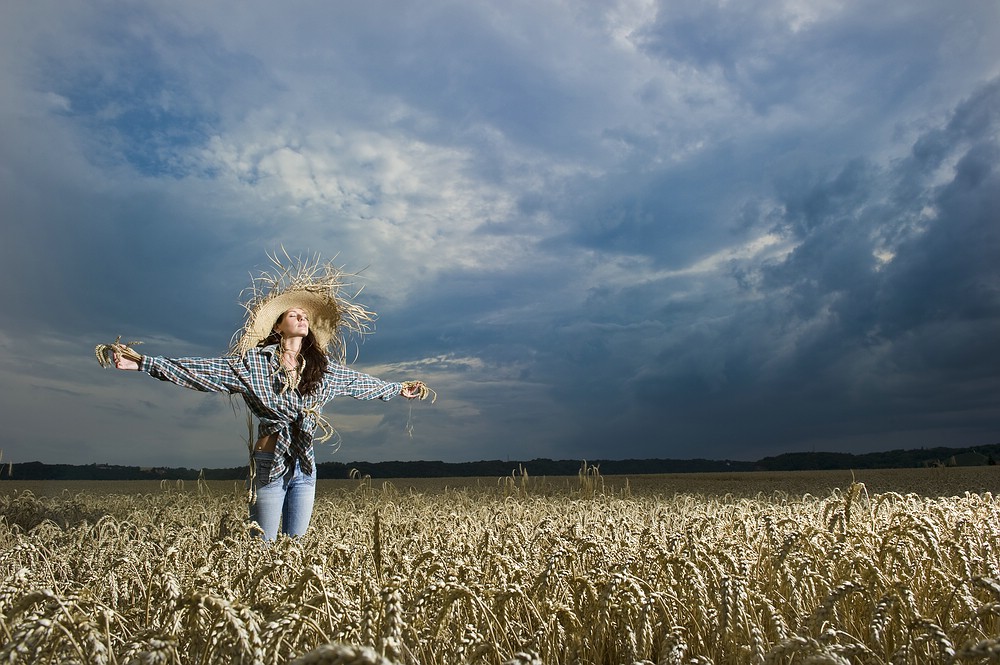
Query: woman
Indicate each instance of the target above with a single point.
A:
(279, 364)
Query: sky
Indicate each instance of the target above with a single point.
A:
(598, 230)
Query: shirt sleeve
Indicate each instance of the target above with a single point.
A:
(210, 375)
(343, 381)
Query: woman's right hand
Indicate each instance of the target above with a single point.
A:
(121, 362)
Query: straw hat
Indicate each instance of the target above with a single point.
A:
(311, 284)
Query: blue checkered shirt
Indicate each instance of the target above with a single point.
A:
(258, 378)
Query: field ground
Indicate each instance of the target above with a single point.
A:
(885, 567)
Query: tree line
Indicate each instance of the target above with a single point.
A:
(812, 461)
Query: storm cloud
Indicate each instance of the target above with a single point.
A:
(616, 230)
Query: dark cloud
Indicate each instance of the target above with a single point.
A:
(841, 343)
(830, 341)
(775, 54)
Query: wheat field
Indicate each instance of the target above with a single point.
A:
(517, 571)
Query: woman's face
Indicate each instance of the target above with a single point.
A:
(293, 323)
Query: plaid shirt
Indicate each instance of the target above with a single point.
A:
(258, 378)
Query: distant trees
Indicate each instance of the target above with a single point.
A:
(894, 459)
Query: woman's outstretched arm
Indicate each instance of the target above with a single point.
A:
(205, 374)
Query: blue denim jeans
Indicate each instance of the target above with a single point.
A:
(286, 502)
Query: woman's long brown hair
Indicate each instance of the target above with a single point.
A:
(315, 357)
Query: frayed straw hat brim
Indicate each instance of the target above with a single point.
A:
(323, 316)
(312, 285)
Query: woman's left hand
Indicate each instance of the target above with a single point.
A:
(416, 390)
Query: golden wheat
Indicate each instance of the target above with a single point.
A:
(517, 573)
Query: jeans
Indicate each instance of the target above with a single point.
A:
(286, 501)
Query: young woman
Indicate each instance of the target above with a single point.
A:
(279, 364)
